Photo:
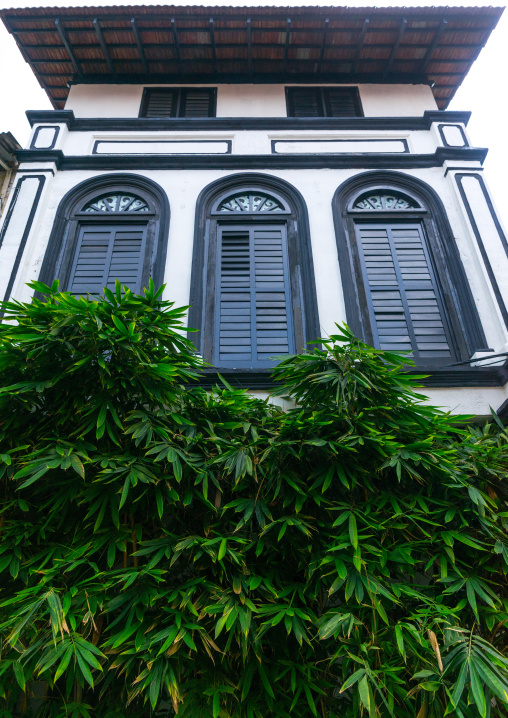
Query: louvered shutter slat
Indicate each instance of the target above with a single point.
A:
(305, 102)
(161, 103)
(196, 103)
(104, 254)
(253, 297)
(341, 102)
(405, 302)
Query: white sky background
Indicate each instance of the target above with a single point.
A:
(484, 91)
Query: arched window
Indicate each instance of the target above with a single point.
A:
(404, 283)
(252, 295)
(110, 227)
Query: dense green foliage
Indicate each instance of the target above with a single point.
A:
(167, 550)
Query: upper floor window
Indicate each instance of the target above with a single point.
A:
(404, 284)
(111, 227)
(323, 102)
(178, 102)
(252, 291)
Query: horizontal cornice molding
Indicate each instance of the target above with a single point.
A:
(253, 162)
(102, 124)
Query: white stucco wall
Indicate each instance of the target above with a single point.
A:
(249, 100)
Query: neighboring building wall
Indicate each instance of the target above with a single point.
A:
(8, 164)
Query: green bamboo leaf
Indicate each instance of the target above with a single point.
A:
(265, 681)
(19, 674)
(363, 691)
(353, 532)
(62, 667)
(222, 549)
(352, 679)
(477, 690)
(458, 689)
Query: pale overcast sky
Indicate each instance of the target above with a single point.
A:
(484, 91)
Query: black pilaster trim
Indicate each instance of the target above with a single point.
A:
(92, 124)
(255, 162)
(495, 286)
(28, 226)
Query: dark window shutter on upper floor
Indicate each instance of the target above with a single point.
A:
(323, 102)
(402, 292)
(178, 102)
(197, 103)
(253, 322)
(160, 103)
(342, 102)
(304, 102)
(105, 253)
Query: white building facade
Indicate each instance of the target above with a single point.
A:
(276, 193)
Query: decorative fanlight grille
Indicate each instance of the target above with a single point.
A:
(117, 203)
(251, 202)
(385, 201)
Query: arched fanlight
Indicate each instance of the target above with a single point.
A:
(251, 202)
(385, 201)
(108, 203)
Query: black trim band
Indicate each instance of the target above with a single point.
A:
(435, 378)
(481, 246)
(33, 144)
(253, 162)
(87, 124)
(28, 226)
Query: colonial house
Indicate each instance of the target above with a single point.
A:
(279, 170)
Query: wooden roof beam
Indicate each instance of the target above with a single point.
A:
(64, 39)
(104, 47)
(359, 46)
(437, 37)
(249, 46)
(323, 45)
(139, 44)
(286, 46)
(391, 59)
(214, 51)
(177, 47)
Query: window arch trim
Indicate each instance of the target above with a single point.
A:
(64, 234)
(203, 270)
(461, 312)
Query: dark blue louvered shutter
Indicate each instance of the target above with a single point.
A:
(253, 321)
(402, 292)
(105, 253)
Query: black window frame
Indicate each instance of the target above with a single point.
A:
(71, 217)
(305, 322)
(464, 328)
(323, 99)
(180, 93)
